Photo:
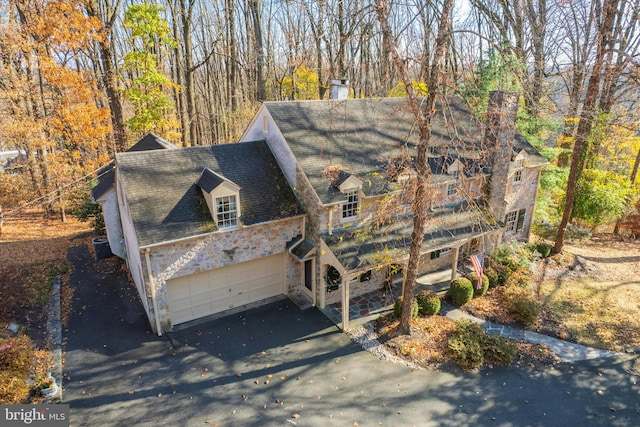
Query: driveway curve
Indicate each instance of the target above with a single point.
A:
(276, 366)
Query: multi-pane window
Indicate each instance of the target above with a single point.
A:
(451, 190)
(350, 206)
(517, 176)
(515, 220)
(227, 212)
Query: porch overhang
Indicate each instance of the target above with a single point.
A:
(362, 248)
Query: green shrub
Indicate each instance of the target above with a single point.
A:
(429, 303)
(521, 304)
(17, 354)
(461, 290)
(397, 308)
(544, 249)
(473, 278)
(498, 350)
(513, 255)
(470, 346)
(493, 277)
(13, 388)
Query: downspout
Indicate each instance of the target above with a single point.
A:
(153, 291)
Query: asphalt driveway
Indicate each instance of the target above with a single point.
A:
(277, 366)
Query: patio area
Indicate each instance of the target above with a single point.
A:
(375, 303)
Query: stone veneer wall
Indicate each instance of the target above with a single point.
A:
(357, 287)
(427, 265)
(208, 253)
(522, 195)
(294, 274)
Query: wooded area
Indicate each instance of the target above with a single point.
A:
(83, 79)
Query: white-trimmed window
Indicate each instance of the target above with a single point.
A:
(351, 204)
(514, 221)
(451, 189)
(226, 212)
(517, 176)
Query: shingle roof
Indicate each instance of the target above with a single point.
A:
(362, 135)
(392, 241)
(106, 174)
(209, 180)
(166, 203)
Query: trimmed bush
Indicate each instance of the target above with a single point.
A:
(544, 249)
(521, 304)
(397, 308)
(461, 290)
(493, 277)
(473, 278)
(428, 303)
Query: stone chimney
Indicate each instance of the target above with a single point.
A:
(340, 89)
(499, 136)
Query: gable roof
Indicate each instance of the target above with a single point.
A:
(209, 180)
(166, 203)
(106, 174)
(362, 135)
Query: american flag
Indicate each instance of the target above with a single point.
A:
(477, 261)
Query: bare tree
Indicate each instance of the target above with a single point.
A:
(423, 115)
(587, 116)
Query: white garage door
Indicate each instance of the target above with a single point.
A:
(201, 294)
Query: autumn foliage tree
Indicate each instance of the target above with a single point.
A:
(50, 102)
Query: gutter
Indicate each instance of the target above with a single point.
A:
(153, 291)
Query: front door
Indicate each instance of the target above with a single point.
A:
(308, 275)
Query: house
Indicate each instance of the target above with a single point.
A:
(312, 204)
(105, 193)
(350, 160)
(207, 229)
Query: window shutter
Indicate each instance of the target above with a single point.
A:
(521, 214)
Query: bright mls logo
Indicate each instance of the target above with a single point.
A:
(35, 415)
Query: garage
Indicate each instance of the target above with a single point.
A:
(202, 294)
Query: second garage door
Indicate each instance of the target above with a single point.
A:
(201, 294)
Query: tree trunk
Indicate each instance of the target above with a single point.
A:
(587, 117)
(259, 49)
(423, 120)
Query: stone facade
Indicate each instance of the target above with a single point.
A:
(218, 250)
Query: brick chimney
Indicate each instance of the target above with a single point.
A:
(340, 89)
(499, 136)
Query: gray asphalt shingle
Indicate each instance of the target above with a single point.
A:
(362, 135)
(166, 203)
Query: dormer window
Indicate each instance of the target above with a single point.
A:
(351, 204)
(226, 212)
(222, 197)
(455, 174)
